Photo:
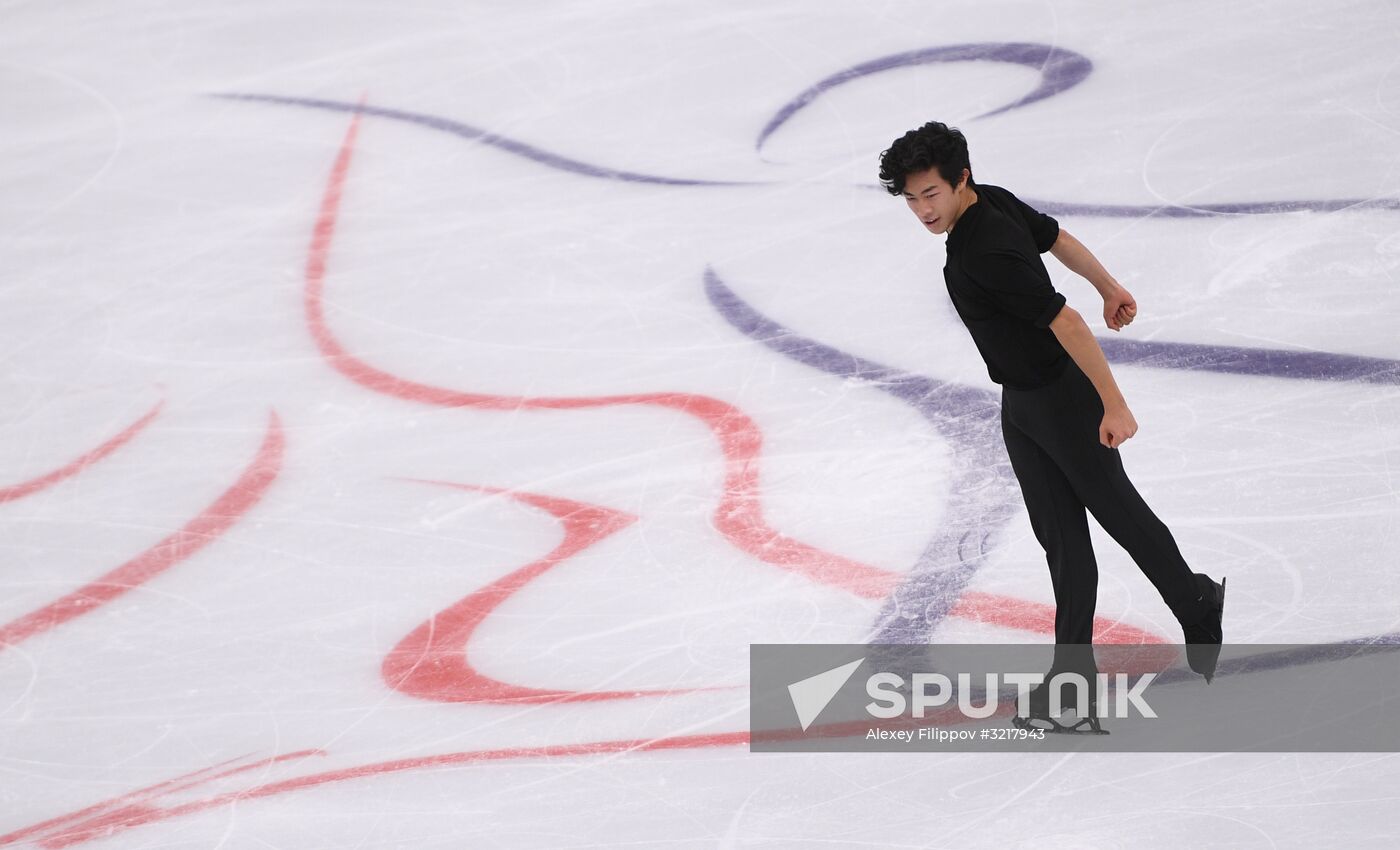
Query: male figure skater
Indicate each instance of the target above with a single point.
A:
(1062, 414)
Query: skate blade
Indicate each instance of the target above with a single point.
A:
(1082, 726)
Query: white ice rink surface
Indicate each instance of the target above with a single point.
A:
(281, 386)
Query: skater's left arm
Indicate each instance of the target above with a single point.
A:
(1119, 308)
(1073, 333)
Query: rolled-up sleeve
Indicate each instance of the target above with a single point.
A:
(1014, 285)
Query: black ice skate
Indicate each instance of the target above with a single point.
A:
(1203, 638)
(1039, 717)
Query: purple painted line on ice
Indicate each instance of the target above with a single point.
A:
(983, 494)
(1066, 208)
(1262, 362)
(1208, 210)
(1059, 69)
(1314, 654)
(485, 137)
(574, 166)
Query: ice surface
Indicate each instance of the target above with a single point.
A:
(555, 356)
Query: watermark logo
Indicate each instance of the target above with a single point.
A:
(1008, 697)
(935, 690)
(814, 693)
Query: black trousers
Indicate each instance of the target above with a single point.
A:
(1052, 436)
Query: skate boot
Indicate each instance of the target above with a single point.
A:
(1039, 717)
(1203, 638)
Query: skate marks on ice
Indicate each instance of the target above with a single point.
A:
(406, 667)
(1060, 70)
(127, 811)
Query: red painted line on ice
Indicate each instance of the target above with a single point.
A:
(94, 819)
(194, 536)
(33, 485)
(113, 821)
(432, 661)
(1013, 613)
(739, 515)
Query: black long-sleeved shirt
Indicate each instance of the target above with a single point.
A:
(1001, 290)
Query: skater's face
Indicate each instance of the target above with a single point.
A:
(937, 204)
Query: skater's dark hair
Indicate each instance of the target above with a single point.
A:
(933, 145)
